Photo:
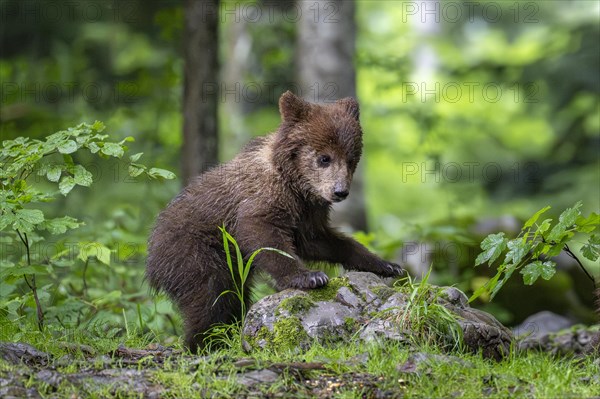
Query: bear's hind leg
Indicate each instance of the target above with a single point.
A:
(199, 316)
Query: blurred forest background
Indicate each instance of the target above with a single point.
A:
(476, 114)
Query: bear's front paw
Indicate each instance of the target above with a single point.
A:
(389, 269)
(394, 269)
(310, 279)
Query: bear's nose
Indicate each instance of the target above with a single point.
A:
(342, 194)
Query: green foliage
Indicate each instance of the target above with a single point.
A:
(531, 251)
(24, 164)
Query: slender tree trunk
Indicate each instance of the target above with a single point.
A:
(325, 73)
(201, 87)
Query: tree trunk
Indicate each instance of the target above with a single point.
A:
(325, 73)
(201, 87)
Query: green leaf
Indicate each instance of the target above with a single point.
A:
(507, 273)
(94, 147)
(535, 269)
(517, 249)
(487, 287)
(54, 172)
(565, 221)
(113, 149)
(570, 215)
(98, 126)
(162, 173)
(33, 216)
(478, 292)
(492, 246)
(61, 225)
(21, 270)
(25, 220)
(556, 233)
(591, 249)
(556, 248)
(68, 160)
(68, 147)
(135, 170)
(66, 185)
(6, 219)
(548, 269)
(535, 217)
(135, 157)
(94, 249)
(589, 224)
(82, 176)
(543, 227)
(531, 272)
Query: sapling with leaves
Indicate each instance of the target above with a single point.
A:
(21, 195)
(532, 251)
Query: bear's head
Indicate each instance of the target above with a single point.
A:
(318, 146)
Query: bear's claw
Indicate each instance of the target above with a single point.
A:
(311, 279)
(392, 269)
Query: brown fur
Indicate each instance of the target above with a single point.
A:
(276, 193)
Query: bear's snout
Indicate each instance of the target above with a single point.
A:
(340, 192)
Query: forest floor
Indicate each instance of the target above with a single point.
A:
(80, 366)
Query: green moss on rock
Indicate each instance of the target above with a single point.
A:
(297, 304)
(288, 334)
(328, 292)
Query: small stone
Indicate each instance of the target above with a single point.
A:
(363, 280)
(417, 361)
(18, 352)
(49, 377)
(264, 376)
(455, 296)
(346, 297)
(540, 324)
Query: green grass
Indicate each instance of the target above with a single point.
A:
(425, 317)
(352, 370)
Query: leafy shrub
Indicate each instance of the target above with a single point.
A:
(537, 243)
(32, 279)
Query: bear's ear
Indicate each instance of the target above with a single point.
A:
(350, 105)
(291, 107)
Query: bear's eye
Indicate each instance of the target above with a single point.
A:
(324, 160)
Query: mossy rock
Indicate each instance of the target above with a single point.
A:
(361, 306)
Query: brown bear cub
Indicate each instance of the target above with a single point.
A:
(276, 193)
